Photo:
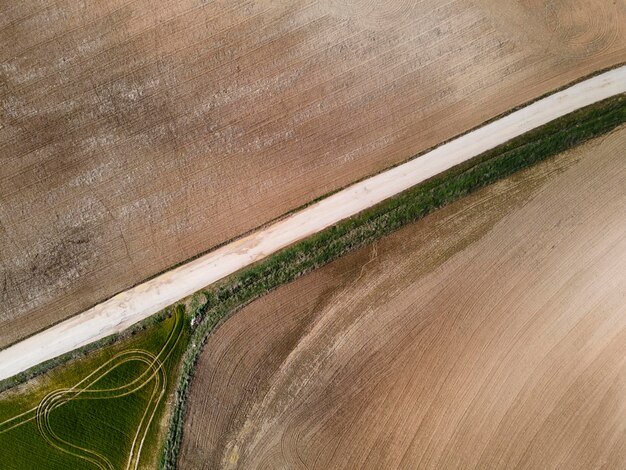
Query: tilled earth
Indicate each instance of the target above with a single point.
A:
(135, 134)
(490, 334)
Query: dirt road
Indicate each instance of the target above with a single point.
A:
(137, 303)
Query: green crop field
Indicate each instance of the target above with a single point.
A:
(98, 412)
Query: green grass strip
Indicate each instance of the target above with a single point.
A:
(212, 306)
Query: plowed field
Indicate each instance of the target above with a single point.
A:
(135, 135)
(490, 334)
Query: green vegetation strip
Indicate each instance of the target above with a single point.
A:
(212, 306)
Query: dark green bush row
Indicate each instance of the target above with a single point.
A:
(240, 289)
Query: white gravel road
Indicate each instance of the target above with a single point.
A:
(133, 305)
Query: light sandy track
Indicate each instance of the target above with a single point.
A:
(133, 305)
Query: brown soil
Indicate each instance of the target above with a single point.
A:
(137, 134)
(488, 335)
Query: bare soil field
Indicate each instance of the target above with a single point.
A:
(490, 334)
(134, 136)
